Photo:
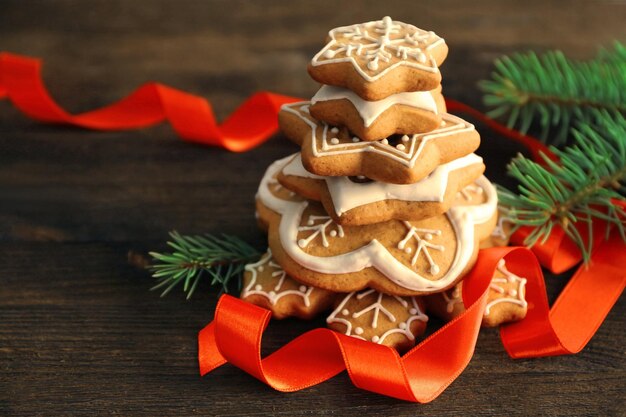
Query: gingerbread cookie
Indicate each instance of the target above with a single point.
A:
(399, 159)
(506, 300)
(380, 58)
(403, 113)
(359, 201)
(384, 319)
(396, 257)
(267, 285)
(262, 214)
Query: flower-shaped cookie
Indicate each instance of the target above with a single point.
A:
(267, 285)
(395, 257)
(384, 319)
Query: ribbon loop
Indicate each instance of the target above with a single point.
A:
(578, 312)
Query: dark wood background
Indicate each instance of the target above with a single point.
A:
(79, 331)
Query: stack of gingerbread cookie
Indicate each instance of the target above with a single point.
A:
(382, 212)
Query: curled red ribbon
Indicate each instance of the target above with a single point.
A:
(190, 116)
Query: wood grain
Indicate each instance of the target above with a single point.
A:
(79, 331)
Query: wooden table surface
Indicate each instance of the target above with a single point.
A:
(79, 331)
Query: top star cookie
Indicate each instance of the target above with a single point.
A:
(380, 58)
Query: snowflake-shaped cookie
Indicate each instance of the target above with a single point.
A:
(267, 285)
(385, 319)
(360, 57)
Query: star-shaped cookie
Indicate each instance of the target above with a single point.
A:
(379, 58)
(400, 159)
(358, 201)
(402, 113)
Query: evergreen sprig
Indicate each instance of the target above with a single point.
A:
(579, 188)
(555, 91)
(222, 258)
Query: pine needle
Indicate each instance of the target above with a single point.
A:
(580, 188)
(554, 92)
(221, 259)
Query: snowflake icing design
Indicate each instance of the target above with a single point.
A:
(380, 42)
(423, 239)
(323, 226)
(274, 294)
(341, 315)
(513, 296)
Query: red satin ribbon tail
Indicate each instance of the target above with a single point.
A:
(578, 312)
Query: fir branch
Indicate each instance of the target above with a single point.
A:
(580, 188)
(220, 258)
(555, 91)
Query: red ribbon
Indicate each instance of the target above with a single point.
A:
(578, 312)
(190, 116)
(424, 372)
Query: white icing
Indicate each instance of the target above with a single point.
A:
(376, 307)
(503, 217)
(517, 297)
(319, 229)
(423, 244)
(378, 41)
(514, 296)
(466, 193)
(371, 110)
(347, 194)
(374, 254)
(322, 146)
(403, 327)
(453, 299)
(275, 294)
(295, 168)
